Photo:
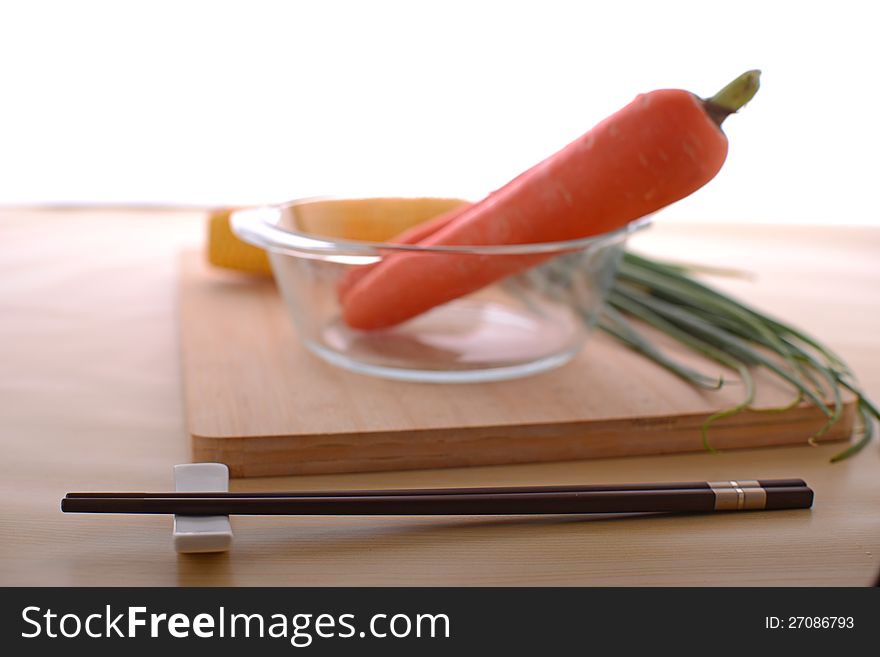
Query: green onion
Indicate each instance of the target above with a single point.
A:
(733, 334)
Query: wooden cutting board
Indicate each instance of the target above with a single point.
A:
(259, 402)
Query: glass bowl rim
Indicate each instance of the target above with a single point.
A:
(259, 226)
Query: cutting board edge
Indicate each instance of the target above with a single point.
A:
(261, 456)
(805, 412)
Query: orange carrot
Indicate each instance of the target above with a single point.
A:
(412, 235)
(660, 148)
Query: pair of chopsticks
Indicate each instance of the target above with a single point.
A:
(683, 497)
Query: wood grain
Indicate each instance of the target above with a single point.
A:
(258, 401)
(90, 399)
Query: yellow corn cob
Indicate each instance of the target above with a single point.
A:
(227, 251)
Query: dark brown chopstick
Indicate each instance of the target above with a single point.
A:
(687, 485)
(628, 501)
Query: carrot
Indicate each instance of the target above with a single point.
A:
(412, 235)
(660, 148)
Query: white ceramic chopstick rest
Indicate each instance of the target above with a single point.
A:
(201, 533)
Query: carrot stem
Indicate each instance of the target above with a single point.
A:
(733, 97)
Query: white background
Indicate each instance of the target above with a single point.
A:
(249, 102)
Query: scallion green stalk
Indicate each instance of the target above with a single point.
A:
(733, 334)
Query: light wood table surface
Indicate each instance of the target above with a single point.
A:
(90, 399)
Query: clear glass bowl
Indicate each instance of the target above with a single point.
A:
(529, 322)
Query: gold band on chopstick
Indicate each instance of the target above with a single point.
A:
(738, 495)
